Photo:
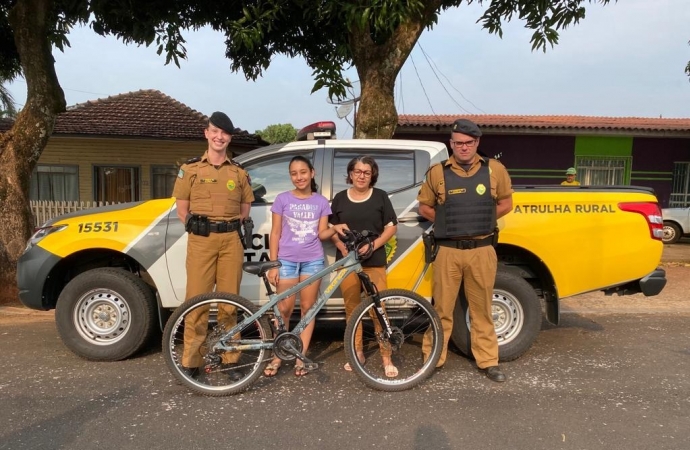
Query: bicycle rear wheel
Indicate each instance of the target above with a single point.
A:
(410, 316)
(202, 321)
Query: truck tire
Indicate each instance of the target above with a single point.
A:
(672, 233)
(106, 314)
(517, 317)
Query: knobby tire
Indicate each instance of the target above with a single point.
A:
(411, 315)
(215, 379)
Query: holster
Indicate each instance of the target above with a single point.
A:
(430, 247)
(494, 242)
(247, 233)
(198, 225)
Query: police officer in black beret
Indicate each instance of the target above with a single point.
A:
(213, 196)
(464, 196)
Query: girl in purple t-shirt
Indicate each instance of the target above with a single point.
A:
(299, 216)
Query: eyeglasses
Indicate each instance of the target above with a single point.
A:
(362, 173)
(463, 143)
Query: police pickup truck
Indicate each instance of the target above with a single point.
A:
(114, 273)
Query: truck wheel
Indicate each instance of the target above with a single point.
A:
(517, 317)
(672, 233)
(106, 314)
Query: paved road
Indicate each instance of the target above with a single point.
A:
(595, 382)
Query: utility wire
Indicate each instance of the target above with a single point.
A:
(441, 83)
(422, 84)
(435, 68)
(22, 80)
(349, 126)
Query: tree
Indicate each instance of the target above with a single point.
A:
(375, 36)
(278, 133)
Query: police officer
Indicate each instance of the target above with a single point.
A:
(213, 196)
(464, 196)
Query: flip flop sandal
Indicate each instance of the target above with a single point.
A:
(391, 371)
(301, 371)
(271, 370)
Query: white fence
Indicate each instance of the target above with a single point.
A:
(45, 210)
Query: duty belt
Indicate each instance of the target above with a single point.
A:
(225, 226)
(466, 244)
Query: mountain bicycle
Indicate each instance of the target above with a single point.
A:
(235, 354)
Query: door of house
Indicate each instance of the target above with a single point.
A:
(116, 184)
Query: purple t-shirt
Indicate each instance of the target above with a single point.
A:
(299, 235)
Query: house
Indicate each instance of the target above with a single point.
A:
(652, 152)
(123, 148)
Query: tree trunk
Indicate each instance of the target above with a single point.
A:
(378, 66)
(21, 146)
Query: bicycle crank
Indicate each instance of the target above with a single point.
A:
(287, 346)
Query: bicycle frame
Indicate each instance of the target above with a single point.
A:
(344, 266)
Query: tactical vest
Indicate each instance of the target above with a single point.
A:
(469, 210)
(216, 193)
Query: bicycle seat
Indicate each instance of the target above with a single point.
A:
(260, 268)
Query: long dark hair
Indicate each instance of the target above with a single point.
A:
(300, 158)
(364, 159)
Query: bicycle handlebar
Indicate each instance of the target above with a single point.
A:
(354, 240)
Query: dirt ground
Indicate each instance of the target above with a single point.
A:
(674, 298)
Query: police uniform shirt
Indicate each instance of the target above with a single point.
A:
(213, 192)
(433, 190)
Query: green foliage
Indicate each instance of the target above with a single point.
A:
(7, 103)
(324, 33)
(545, 17)
(278, 133)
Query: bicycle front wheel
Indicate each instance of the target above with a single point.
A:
(414, 347)
(190, 343)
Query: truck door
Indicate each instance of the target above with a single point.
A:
(401, 172)
(269, 177)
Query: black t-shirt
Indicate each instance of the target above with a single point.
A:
(371, 214)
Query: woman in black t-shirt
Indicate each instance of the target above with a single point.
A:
(363, 207)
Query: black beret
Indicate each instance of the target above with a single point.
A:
(222, 121)
(467, 127)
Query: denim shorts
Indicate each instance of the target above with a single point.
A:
(294, 270)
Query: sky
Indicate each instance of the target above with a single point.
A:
(625, 59)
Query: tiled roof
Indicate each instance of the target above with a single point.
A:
(550, 122)
(5, 124)
(145, 113)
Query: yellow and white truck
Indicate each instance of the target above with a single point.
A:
(113, 274)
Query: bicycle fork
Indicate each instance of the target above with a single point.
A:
(387, 334)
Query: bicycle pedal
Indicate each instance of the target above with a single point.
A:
(311, 366)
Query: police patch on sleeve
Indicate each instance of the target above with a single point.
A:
(180, 174)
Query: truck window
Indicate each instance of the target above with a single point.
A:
(396, 169)
(270, 176)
